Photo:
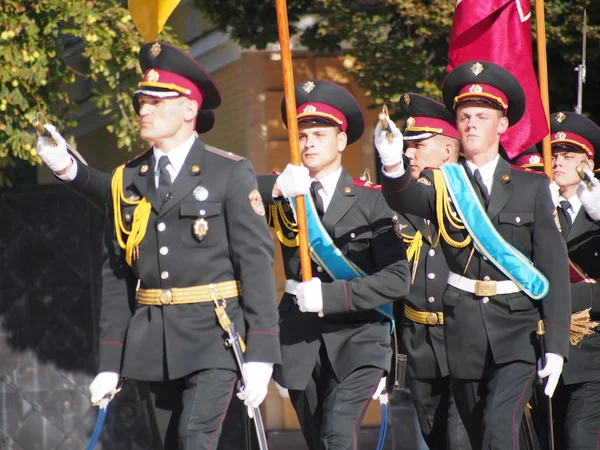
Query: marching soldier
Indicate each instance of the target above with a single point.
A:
(94, 186)
(335, 329)
(575, 141)
(432, 140)
(485, 212)
(183, 238)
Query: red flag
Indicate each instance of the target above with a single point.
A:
(499, 31)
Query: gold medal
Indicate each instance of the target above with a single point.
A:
(200, 228)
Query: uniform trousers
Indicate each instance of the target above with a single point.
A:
(492, 408)
(188, 413)
(576, 409)
(437, 413)
(331, 411)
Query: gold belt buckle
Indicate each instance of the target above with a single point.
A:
(485, 288)
(166, 296)
(432, 318)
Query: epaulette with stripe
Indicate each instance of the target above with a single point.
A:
(366, 184)
(223, 153)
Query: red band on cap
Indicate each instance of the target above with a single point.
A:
(323, 111)
(164, 79)
(431, 125)
(568, 138)
(477, 91)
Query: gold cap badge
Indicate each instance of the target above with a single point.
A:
(559, 117)
(406, 99)
(152, 76)
(560, 135)
(308, 86)
(410, 122)
(155, 49)
(477, 68)
(475, 88)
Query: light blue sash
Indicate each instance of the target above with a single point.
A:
(510, 261)
(324, 253)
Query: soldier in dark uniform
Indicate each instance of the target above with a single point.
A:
(479, 206)
(432, 140)
(575, 141)
(94, 186)
(185, 231)
(335, 344)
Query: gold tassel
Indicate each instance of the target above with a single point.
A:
(581, 326)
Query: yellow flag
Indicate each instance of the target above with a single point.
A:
(150, 16)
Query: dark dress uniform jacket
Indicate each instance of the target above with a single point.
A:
(521, 210)
(354, 334)
(583, 243)
(424, 344)
(155, 343)
(91, 184)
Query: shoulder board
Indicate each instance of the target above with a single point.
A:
(523, 169)
(366, 184)
(223, 153)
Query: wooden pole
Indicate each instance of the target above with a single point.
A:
(292, 125)
(543, 74)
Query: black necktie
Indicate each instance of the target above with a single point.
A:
(315, 186)
(164, 178)
(564, 218)
(482, 187)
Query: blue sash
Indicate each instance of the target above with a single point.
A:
(324, 253)
(510, 261)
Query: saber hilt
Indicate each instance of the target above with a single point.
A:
(383, 118)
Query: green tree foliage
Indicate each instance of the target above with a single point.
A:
(398, 46)
(50, 52)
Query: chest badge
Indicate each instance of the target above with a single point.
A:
(200, 193)
(200, 228)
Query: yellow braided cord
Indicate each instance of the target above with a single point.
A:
(414, 245)
(413, 252)
(141, 215)
(276, 212)
(444, 211)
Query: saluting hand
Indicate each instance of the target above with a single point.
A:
(309, 296)
(552, 370)
(590, 199)
(390, 153)
(55, 156)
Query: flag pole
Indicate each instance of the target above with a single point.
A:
(543, 75)
(292, 125)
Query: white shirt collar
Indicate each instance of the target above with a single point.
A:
(486, 171)
(329, 182)
(575, 206)
(176, 156)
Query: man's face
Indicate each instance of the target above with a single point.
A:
(161, 118)
(564, 165)
(426, 153)
(479, 127)
(321, 147)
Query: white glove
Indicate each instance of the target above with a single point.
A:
(103, 384)
(294, 181)
(590, 199)
(309, 296)
(55, 156)
(554, 193)
(380, 388)
(390, 154)
(256, 376)
(552, 370)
